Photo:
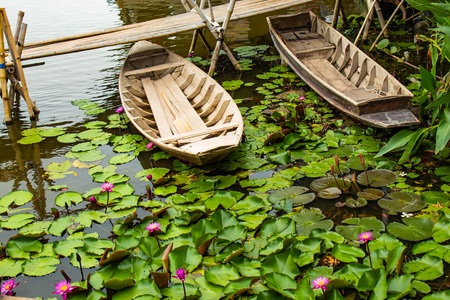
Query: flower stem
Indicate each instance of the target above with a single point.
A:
(323, 291)
(156, 236)
(107, 201)
(368, 251)
(184, 290)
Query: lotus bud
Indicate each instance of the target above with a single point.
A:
(361, 158)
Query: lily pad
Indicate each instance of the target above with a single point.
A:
(359, 225)
(327, 182)
(330, 193)
(121, 159)
(308, 221)
(354, 203)
(51, 132)
(425, 268)
(414, 229)
(92, 155)
(31, 139)
(40, 266)
(17, 197)
(402, 202)
(377, 178)
(295, 194)
(17, 221)
(371, 194)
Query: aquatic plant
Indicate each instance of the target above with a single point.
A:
(365, 237)
(63, 288)
(8, 286)
(320, 283)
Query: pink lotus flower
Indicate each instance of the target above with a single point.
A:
(92, 199)
(320, 283)
(361, 159)
(63, 288)
(149, 145)
(7, 287)
(153, 227)
(149, 177)
(107, 187)
(181, 274)
(301, 98)
(365, 237)
(119, 110)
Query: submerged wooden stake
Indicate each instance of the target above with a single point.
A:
(4, 85)
(32, 109)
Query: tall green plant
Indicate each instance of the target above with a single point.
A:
(435, 98)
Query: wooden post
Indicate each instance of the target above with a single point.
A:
(214, 28)
(12, 89)
(380, 17)
(3, 82)
(21, 41)
(343, 17)
(388, 22)
(337, 8)
(364, 23)
(32, 109)
(196, 31)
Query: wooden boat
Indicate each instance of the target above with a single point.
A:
(340, 72)
(177, 106)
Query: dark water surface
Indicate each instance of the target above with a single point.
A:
(89, 75)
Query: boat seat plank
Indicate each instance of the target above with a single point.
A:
(192, 90)
(208, 108)
(168, 85)
(135, 88)
(185, 79)
(204, 95)
(141, 102)
(218, 113)
(143, 112)
(207, 131)
(211, 144)
(157, 109)
(162, 67)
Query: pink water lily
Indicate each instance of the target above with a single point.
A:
(153, 227)
(149, 145)
(301, 98)
(107, 187)
(149, 177)
(320, 283)
(92, 199)
(119, 110)
(63, 288)
(7, 287)
(365, 237)
(181, 274)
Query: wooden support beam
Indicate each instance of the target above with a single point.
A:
(337, 8)
(372, 6)
(3, 81)
(15, 57)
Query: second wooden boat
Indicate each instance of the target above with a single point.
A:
(340, 72)
(177, 106)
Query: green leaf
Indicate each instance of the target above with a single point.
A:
(92, 155)
(374, 281)
(414, 229)
(347, 253)
(40, 266)
(184, 257)
(17, 221)
(11, 267)
(443, 131)
(425, 268)
(398, 140)
(69, 198)
(36, 229)
(307, 221)
(17, 197)
(281, 283)
(383, 44)
(221, 274)
(281, 226)
(57, 227)
(121, 159)
(280, 263)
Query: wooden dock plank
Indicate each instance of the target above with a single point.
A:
(169, 25)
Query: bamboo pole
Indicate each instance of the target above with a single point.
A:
(196, 31)
(3, 82)
(343, 17)
(337, 8)
(380, 17)
(32, 109)
(214, 28)
(369, 21)
(221, 37)
(372, 6)
(388, 22)
(20, 16)
(21, 40)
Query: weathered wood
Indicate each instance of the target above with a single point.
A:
(3, 81)
(337, 8)
(219, 132)
(348, 79)
(150, 29)
(148, 70)
(369, 13)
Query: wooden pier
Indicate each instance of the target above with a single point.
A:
(193, 20)
(150, 29)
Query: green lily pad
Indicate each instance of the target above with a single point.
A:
(359, 225)
(295, 194)
(40, 266)
(308, 221)
(327, 182)
(17, 221)
(425, 268)
(31, 139)
(36, 229)
(69, 198)
(354, 203)
(92, 155)
(51, 132)
(330, 193)
(11, 267)
(17, 197)
(377, 178)
(371, 194)
(121, 159)
(402, 202)
(414, 229)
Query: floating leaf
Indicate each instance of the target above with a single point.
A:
(11, 267)
(330, 193)
(69, 198)
(92, 155)
(121, 159)
(51, 132)
(416, 229)
(31, 139)
(347, 253)
(36, 229)
(17, 197)
(370, 194)
(425, 268)
(358, 226)
(359, 202)
(295, 194)
(40, 266)
(402, 202)
(377, 178)
(307, 221)
(17, 221)
(324, 183)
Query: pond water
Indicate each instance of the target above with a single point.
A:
(91, 75)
